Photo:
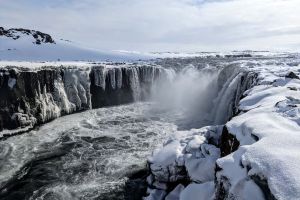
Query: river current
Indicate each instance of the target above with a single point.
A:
(96, 154)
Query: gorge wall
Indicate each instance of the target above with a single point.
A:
(31, 97)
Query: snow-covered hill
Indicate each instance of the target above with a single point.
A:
(30, 45)
(19, 44)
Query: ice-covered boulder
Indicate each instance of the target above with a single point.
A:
(188, 156)
(202, 191)
(292, 75)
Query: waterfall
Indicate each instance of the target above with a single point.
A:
(206, 96)
(134, 83)
(116, 85)
(232, 89)
(228, 83)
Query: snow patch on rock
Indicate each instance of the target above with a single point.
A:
(266, 168)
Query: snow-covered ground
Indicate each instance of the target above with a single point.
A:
(270, 115)
(267, 131)
(26, 45)
(38, 65)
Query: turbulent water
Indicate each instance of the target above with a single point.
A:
(90, 155)
(102, 153)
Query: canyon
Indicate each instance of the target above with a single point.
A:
(210, 127)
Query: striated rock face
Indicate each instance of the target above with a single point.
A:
(113, 86)
(37, 96)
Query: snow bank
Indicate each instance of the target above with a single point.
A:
(204, 191)
(25, 47)
(186, 156)
(271, 114)
(266, 132)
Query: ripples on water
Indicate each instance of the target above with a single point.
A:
(96, 154)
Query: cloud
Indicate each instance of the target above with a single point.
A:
(159, 25)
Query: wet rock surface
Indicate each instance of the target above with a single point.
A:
(29, 98)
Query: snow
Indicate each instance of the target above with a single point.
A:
(175, 194)
(156, 195)
(24, 49)
(270, 112)
(44, 64)
(268, 130)
(204, 191)
(190, 54)
(189, 149)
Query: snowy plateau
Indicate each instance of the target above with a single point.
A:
(159, 126)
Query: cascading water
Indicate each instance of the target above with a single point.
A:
(205, 96)
(135, 84)
(101, 153)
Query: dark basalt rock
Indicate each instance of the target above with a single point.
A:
(292, 75)
(116, 85)
(39, 37)
(229, 143)
(21, 97)
(109, 96)
(263, 184)
(29, 98)
(221, 189)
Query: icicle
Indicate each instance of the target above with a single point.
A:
(119, 79)
(112, 78)
(100, 75)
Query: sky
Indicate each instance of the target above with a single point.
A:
(162, 25)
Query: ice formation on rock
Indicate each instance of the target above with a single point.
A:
(35, 96)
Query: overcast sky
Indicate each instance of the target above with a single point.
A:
(162, 25)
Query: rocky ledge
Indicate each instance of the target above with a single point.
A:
(37, 93)
(255, 155)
